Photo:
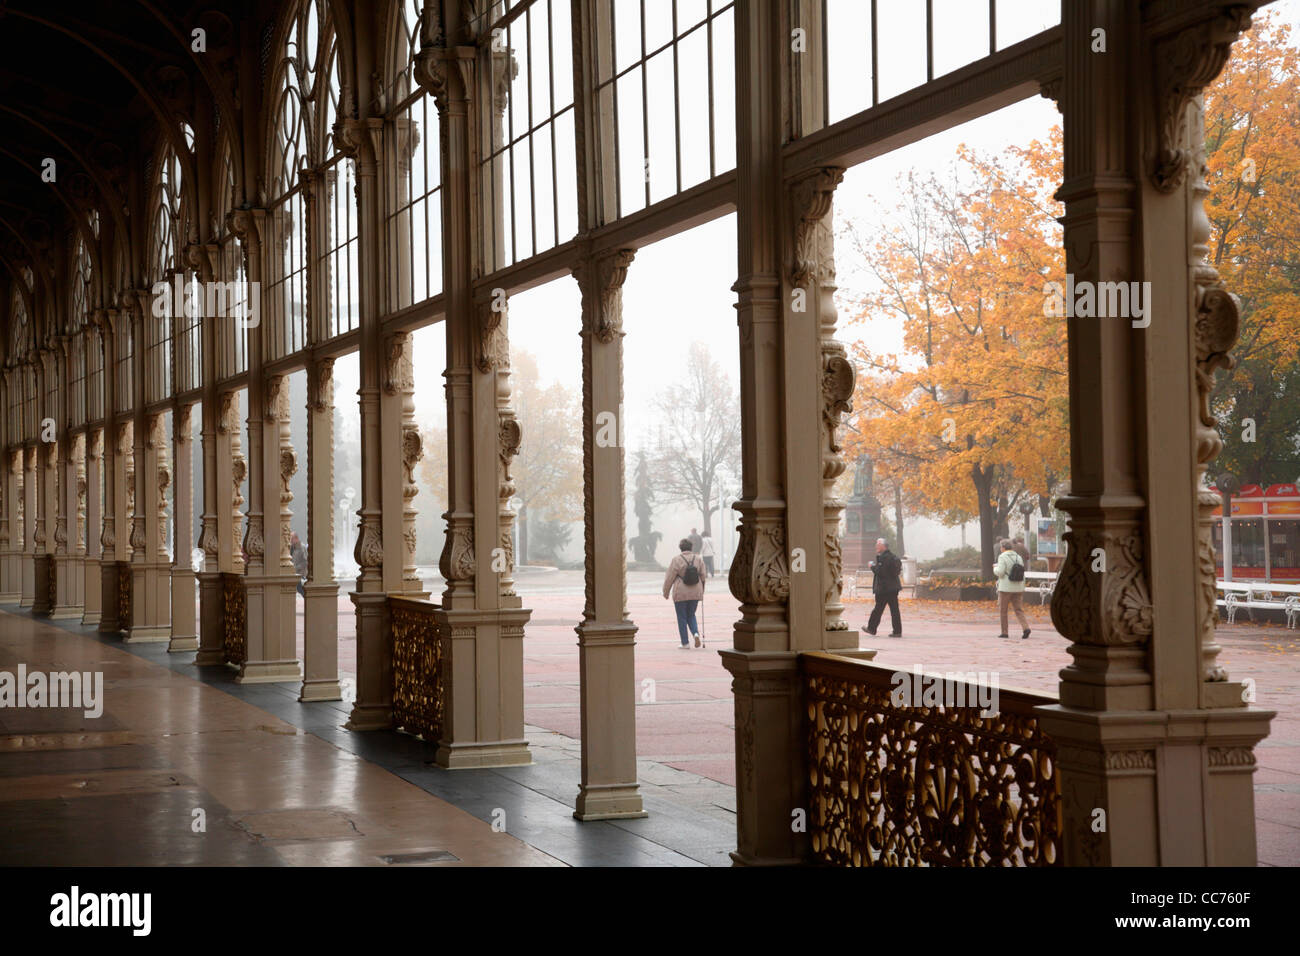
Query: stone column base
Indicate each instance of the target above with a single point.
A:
(269, 672)
(151, 602)
(744, 859)
(108, 597)
(607, 667)
(373, 709)
(499, 753)
(41, 597)
(315, 690)
(483, 697)
(92, 592)
(212, 620)
(320, 646)
(184, 631)
(1174, 788)
(613, 801)
(66, 612)
(770, 755)
(272, 623)
(12, 597)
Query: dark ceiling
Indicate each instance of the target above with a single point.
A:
(90, 86)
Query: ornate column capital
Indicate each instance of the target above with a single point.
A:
(1185, 61)
(491, 344)
(600, 278)
(360, 140)
(447, 73)
(322, 396)
(810, 198)
(399, 367)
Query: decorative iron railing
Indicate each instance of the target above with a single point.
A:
(235, 618)
(417, 666)
(927, 784)
(53, 573)
(123, 596)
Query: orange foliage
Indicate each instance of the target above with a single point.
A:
(973, 416)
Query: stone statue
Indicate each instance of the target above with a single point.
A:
(644, 544)
(862, 480)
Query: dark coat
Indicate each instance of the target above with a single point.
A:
(885, 573)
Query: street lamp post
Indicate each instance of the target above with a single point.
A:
(727, 532)
(1228, 484)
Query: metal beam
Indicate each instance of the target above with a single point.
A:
(988, 84)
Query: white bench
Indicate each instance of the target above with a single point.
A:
(1262, 595)
(1040, 583)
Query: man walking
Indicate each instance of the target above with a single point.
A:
(697, 543)
(885, 584)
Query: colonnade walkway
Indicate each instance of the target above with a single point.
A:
(280, 782)
(283, 783)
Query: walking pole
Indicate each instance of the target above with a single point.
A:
(703, 642)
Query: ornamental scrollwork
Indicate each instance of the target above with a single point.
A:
(1125, 609)
(760, 572)
(369, 549)
(600, 281)
(254, 545)
(399, 372)
(412, 450)
(457, 561)
(810, 201)
(1185, 63)
(926, 784)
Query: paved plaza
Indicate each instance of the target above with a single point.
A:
(685, 721)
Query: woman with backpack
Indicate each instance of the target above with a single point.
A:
(1010, 572)
(685, 581)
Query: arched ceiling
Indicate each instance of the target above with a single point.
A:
(90, 85)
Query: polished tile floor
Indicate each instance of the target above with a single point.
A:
(175, 772)
(281, 782)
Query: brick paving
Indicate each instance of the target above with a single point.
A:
(685, 717)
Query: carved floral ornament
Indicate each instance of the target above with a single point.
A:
(399, 368)
(457, 560)
(1126, 615)
(810, 201)
(277, 399)
(288, 468)
(493, 344)
(760, 572)
(838, 379)
(601, 277)
(1185, 63)
(323, 398)
(254, 546)
(369, 550)
(509, 438)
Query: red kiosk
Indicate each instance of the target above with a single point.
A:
(1265, 534)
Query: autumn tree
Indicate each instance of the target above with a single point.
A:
(973, 415)
(697, 443)
(548, 468)
(1252, 144)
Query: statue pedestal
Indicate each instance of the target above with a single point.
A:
(861, 529)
